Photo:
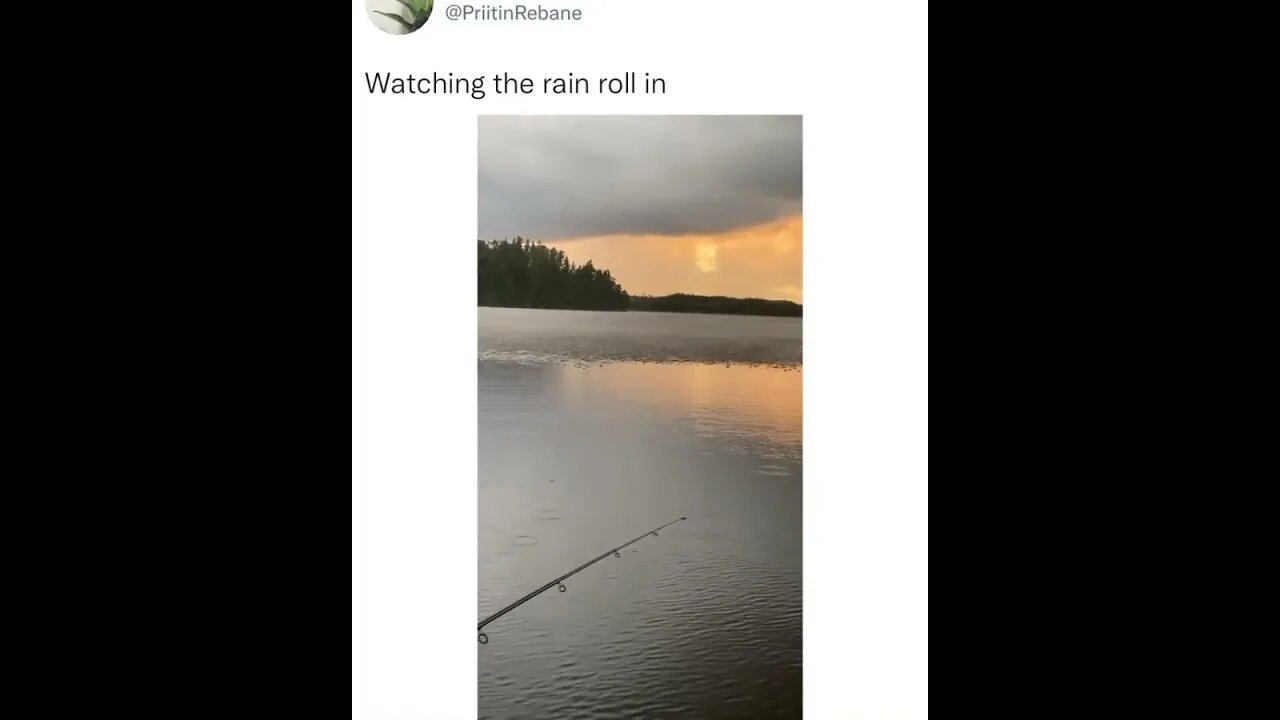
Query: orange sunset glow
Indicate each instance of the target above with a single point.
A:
(761, 261)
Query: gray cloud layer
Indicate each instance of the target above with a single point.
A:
(551, 177)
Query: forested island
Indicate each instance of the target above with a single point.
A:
(525, 274)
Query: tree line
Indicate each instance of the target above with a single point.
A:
(681, 302)
(522, 273)
(526, 274)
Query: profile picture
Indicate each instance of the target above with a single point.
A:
(398, 17)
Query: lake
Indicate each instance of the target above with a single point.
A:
(595, 427)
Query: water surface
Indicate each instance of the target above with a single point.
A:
(595, 427)
(517, 335)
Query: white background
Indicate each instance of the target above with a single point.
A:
(858, 72)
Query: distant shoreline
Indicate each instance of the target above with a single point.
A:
(715, 304)
(521, 273)
(690, 305)
(655, 312)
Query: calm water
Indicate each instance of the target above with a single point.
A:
(508, 334)
(595, 427)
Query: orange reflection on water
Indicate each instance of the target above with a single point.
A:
(737, 402)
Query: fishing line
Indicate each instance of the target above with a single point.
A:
(559, 582)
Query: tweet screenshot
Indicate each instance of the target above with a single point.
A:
(639, 353)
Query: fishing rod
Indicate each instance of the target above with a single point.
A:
(560, 580)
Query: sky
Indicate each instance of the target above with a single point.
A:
(705, 204)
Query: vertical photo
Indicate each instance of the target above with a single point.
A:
(640, 484)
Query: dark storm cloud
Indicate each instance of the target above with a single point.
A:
(551, 177)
